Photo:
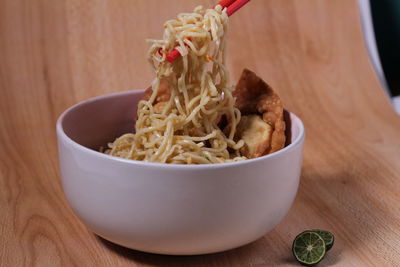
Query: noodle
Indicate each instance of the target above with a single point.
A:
(185, 130)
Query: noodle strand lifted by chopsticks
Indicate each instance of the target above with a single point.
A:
(186, 130)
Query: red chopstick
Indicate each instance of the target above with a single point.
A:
(225, 3)
(232, 7)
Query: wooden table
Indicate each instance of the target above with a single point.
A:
(56, 53)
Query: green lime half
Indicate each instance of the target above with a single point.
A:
(309, 248)
(327, 237)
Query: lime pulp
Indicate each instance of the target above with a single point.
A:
(309, 248)
(327, 237)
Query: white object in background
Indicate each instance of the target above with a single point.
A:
(396, 103)
(170, 208)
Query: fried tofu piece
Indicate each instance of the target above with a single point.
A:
(256, 134)
(254, 96)
(163, 94)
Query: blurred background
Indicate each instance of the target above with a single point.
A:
(381, 21)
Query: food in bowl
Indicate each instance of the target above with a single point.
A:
(191, 114)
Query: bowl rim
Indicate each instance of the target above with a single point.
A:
(62, 135)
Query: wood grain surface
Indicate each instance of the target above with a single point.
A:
(55, 53)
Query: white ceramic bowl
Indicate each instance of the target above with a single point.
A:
(169, 208)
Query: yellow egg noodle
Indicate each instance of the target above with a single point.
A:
(186, 129)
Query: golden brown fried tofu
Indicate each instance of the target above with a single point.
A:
(254, 96)
(163, 94)
(256, 134)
